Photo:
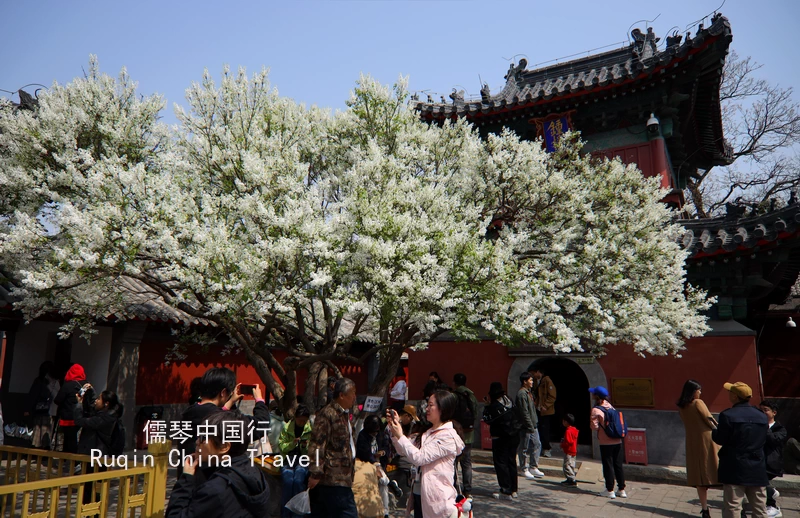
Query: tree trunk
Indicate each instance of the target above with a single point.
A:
(289, 400)
(264, 372)
(389, 363)
(322, 387)
(697, 198)
(286, 394)
(311, 383)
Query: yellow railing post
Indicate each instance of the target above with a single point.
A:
(157, 490)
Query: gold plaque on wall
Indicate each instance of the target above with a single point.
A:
(632, 392)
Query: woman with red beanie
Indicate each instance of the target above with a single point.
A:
(66, 399)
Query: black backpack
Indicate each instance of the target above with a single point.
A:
(465, 414)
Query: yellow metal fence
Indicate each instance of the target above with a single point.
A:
(39, 484)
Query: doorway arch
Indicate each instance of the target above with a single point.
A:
(572, 381)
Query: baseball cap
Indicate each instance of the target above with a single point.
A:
(410, 410)
(742, 390)
(599, 391)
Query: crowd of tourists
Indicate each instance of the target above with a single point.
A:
(417, 458)
(67, 413)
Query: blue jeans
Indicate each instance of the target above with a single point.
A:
(529, 449)
(294, 482)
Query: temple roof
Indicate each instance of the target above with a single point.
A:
(145, 304)
(585, 74)
(704, 237)
(609, 75)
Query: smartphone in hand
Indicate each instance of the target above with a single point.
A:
(246, 390)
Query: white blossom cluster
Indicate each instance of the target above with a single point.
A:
(292, 227)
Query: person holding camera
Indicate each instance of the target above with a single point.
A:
(235, 490)
(219, 391)
(97, 419)
(292, 443)
(97, 425)
(434, 494)
(66, 399)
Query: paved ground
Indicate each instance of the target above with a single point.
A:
(546, 497)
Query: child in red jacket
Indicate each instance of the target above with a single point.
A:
(569, 445)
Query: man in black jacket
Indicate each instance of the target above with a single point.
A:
(773, 452)
(742, 433)
(218, 392)
(233, 489)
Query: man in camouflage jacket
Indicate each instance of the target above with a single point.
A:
(332, 452)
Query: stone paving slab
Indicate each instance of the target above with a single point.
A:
(546, 497)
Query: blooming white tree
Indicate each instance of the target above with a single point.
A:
(303, 235)
(596, 250)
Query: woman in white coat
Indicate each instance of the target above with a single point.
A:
(433, 491)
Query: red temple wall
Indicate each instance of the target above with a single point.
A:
(710, 360)
(161, 384)
(482, 363)
(650, 157)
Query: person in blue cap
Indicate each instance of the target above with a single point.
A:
(610, 447)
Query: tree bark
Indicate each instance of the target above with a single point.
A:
(311, 384)
(322, 386)
(264, 373)
(387, 368)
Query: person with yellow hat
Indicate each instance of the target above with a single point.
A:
(742, 433)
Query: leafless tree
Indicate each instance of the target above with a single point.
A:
(762, 123)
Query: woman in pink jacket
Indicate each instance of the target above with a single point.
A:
(433, 490)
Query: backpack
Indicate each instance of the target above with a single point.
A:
(117, 443)
(464, 414)
(504, 419)
(614, 425)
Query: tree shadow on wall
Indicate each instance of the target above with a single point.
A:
(161, 386)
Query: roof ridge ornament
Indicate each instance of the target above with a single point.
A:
(645, 46)
(486, 93)
(515, 71)
(457, 96)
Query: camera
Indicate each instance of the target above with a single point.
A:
(653, 124)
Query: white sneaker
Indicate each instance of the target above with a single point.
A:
(514, 495)
(608, 494)
(528, 475)
(537, 473)
(776, 495)
(547, 454)
(501, 496)
(622, 494)
(774, 512)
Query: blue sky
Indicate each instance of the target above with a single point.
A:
(317, 49)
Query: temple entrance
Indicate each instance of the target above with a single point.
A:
(572, 396)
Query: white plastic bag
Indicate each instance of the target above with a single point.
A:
(300, 503)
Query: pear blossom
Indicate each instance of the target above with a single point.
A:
(294, 229)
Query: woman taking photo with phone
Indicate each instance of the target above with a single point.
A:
(433, 491)
(702, 460)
